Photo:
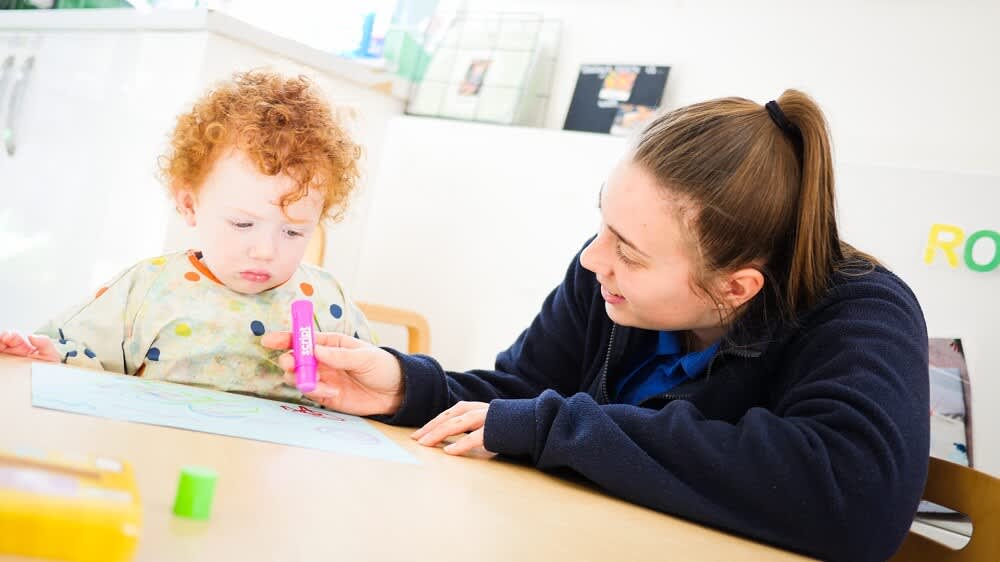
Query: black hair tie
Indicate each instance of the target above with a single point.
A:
(789, 128)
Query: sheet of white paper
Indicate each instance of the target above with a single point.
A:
(120, 397)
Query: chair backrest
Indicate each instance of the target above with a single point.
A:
(418, 331)
(316, 247)
(974, 493)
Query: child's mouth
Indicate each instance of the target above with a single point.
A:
(255, 276)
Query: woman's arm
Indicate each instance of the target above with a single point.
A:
(835, 470)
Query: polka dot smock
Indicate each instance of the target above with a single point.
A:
(168, 318)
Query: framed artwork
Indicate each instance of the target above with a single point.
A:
(492, 67)
(630, 118)
(616, 99)
(474, 76)
(951, 402)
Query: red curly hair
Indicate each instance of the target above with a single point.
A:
(282, 124)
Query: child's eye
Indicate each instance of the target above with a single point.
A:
(240, 224)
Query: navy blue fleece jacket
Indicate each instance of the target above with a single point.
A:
(812, 436)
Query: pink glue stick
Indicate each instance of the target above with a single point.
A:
(302, 345)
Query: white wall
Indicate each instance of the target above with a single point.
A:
(904, 82)
(80, 192)
(472, 225)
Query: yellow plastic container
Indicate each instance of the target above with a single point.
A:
(68, 508)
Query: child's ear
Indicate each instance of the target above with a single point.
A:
(185, 201)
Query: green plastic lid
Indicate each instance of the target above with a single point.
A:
(195, 491)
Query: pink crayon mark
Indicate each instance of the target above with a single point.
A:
(304, 410)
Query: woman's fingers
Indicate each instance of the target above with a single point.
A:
(331, 350)
(326, 392)
(471, 443)
(463, 423)
(332, 358)
(332, 339)
(347, 360)
(456, 410)
(283, 340)
(276, 340)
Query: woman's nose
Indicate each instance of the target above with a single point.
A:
(594, 257)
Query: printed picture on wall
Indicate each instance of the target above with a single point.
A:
(618, 85)
(630, 118)
(615, 98)
(474, 77)
(951, 431)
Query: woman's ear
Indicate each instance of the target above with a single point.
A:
(741, 286)
(186, 201)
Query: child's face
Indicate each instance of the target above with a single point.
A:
(247, 240)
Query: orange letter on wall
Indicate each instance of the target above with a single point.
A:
(949, 245)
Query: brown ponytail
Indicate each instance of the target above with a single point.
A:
(761, 197)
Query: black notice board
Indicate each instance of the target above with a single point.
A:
(601, 89)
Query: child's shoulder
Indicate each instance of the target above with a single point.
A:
(314, 274)
(311, 279)
(149, 267)
(168, 259)
(164, 263)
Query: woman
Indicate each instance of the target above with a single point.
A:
(715, 352)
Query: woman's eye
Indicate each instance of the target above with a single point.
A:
(294, 233)
(239, 224)
(625, 259)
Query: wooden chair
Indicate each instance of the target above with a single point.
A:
(418, 331)
(974, 493)
(316, 247)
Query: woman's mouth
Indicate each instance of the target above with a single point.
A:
(255, 276)
(611, 298)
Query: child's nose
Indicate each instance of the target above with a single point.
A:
(263, 248)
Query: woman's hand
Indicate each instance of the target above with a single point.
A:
(36, 347)
(464, 417)
(354, 377)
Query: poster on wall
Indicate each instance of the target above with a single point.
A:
(474, 76)
(951, 430)
(616, 99)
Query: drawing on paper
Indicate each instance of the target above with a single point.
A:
(58, 387)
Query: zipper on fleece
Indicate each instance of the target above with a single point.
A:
(605, 399)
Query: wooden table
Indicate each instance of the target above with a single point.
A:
(275, 502)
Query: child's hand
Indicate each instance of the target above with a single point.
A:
(32, 347)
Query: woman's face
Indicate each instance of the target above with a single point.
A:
(643, 258)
